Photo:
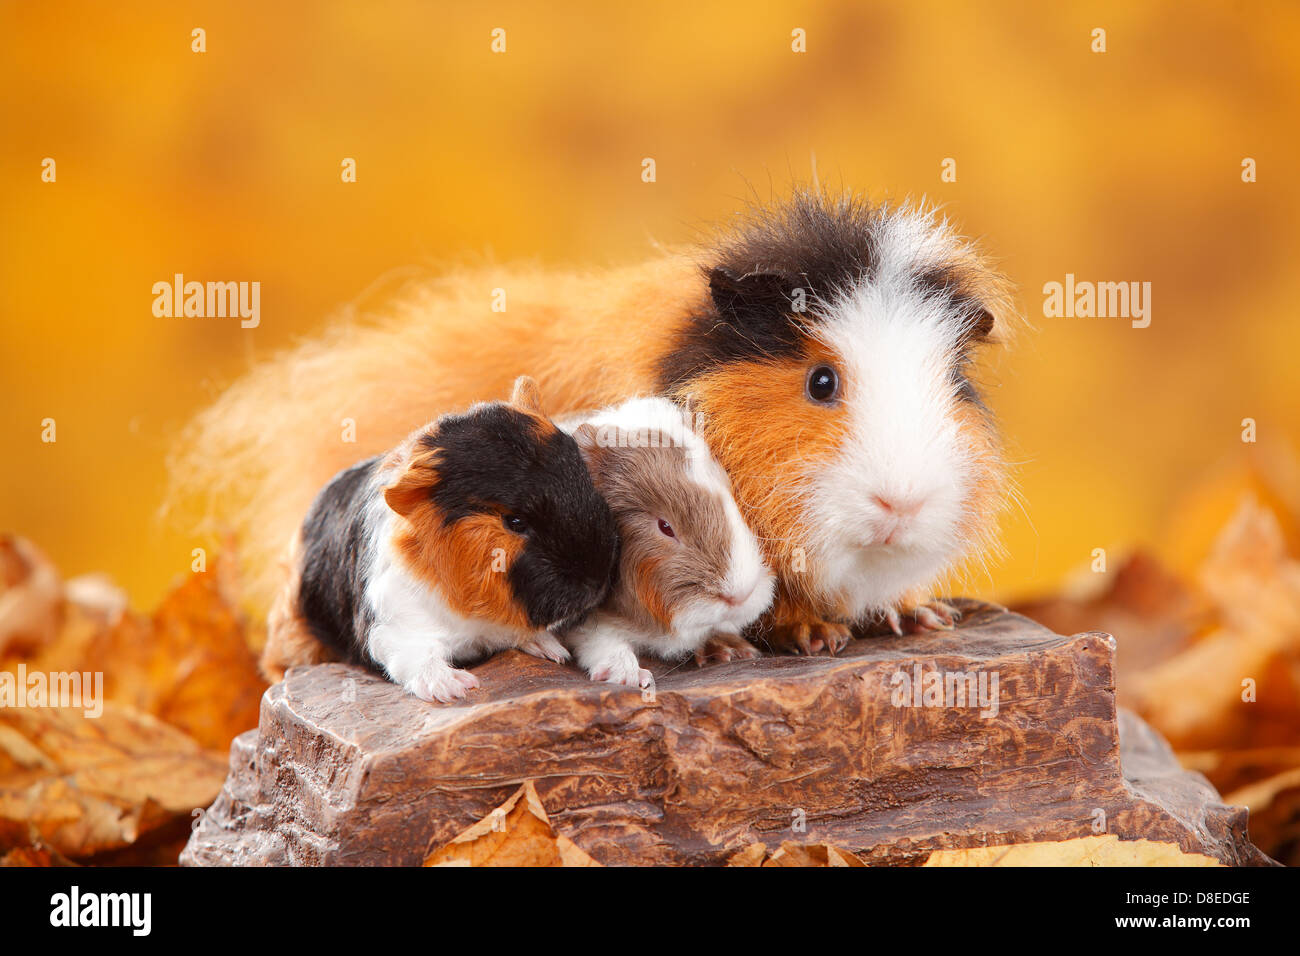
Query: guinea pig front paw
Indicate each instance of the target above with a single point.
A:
(724, 647)
(808, 637)
(545, 646)
(928, 616)
(439, 681)
(622, 668)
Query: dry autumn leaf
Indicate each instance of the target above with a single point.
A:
(88, 786)
(31, 597)
(794, 854)
(188, 663)
(32, 856)
(517, 833)
(213, 688)
(21, 845)
(1106, 850)
(1267, 473)
(97, 596)
(1233, 769)
(752, 855)
(1153, 614)
(121, 786)
(1198, 699)
(812, 854)
(1274, 805)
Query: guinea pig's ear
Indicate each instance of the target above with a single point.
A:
(735, 294)
(418, 473)
(588, 440)
(978, 327)
(526, 396)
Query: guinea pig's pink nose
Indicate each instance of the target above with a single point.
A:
(899, 507)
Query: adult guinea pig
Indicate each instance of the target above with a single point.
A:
(827, 343)
(690, 575)
(481, 531)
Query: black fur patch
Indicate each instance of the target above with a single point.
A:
(335, 554)
(811, 247)
(496, 458)
(492, 459)
(814, 247)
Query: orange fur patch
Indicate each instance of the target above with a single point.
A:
(289, 641)
(768, 438)
(543, 426)
(650, 597)
(419, 474)
(467, 562)
(790, 608)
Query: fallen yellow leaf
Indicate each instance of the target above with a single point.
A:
(1106, 850)
(811, 854)
(517, 833)
(88, 786)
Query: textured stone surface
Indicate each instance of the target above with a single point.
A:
(346, 768)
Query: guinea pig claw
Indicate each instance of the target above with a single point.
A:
(894, 620)
(807, 637)
(546, 647)
(933, 620)
(704, 656)
(467, 680)
(723, 648)
(834, 635)
(803, 640)
(439, 681)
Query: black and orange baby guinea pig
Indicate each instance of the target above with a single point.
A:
(481, 531)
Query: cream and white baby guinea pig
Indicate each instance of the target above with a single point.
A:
(691, 574)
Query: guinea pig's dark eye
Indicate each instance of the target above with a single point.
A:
(515, 523)
(823, 384)
(666, 528)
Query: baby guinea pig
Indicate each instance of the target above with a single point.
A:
(482, 531)
(691, 575)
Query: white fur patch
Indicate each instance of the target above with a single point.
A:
(895, 345)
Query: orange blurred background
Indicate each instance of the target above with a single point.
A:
(225, 165)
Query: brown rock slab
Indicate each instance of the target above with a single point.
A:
(348, 769)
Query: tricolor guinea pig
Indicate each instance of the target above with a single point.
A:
(481, 531)
(829, 345)
(691, 575)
